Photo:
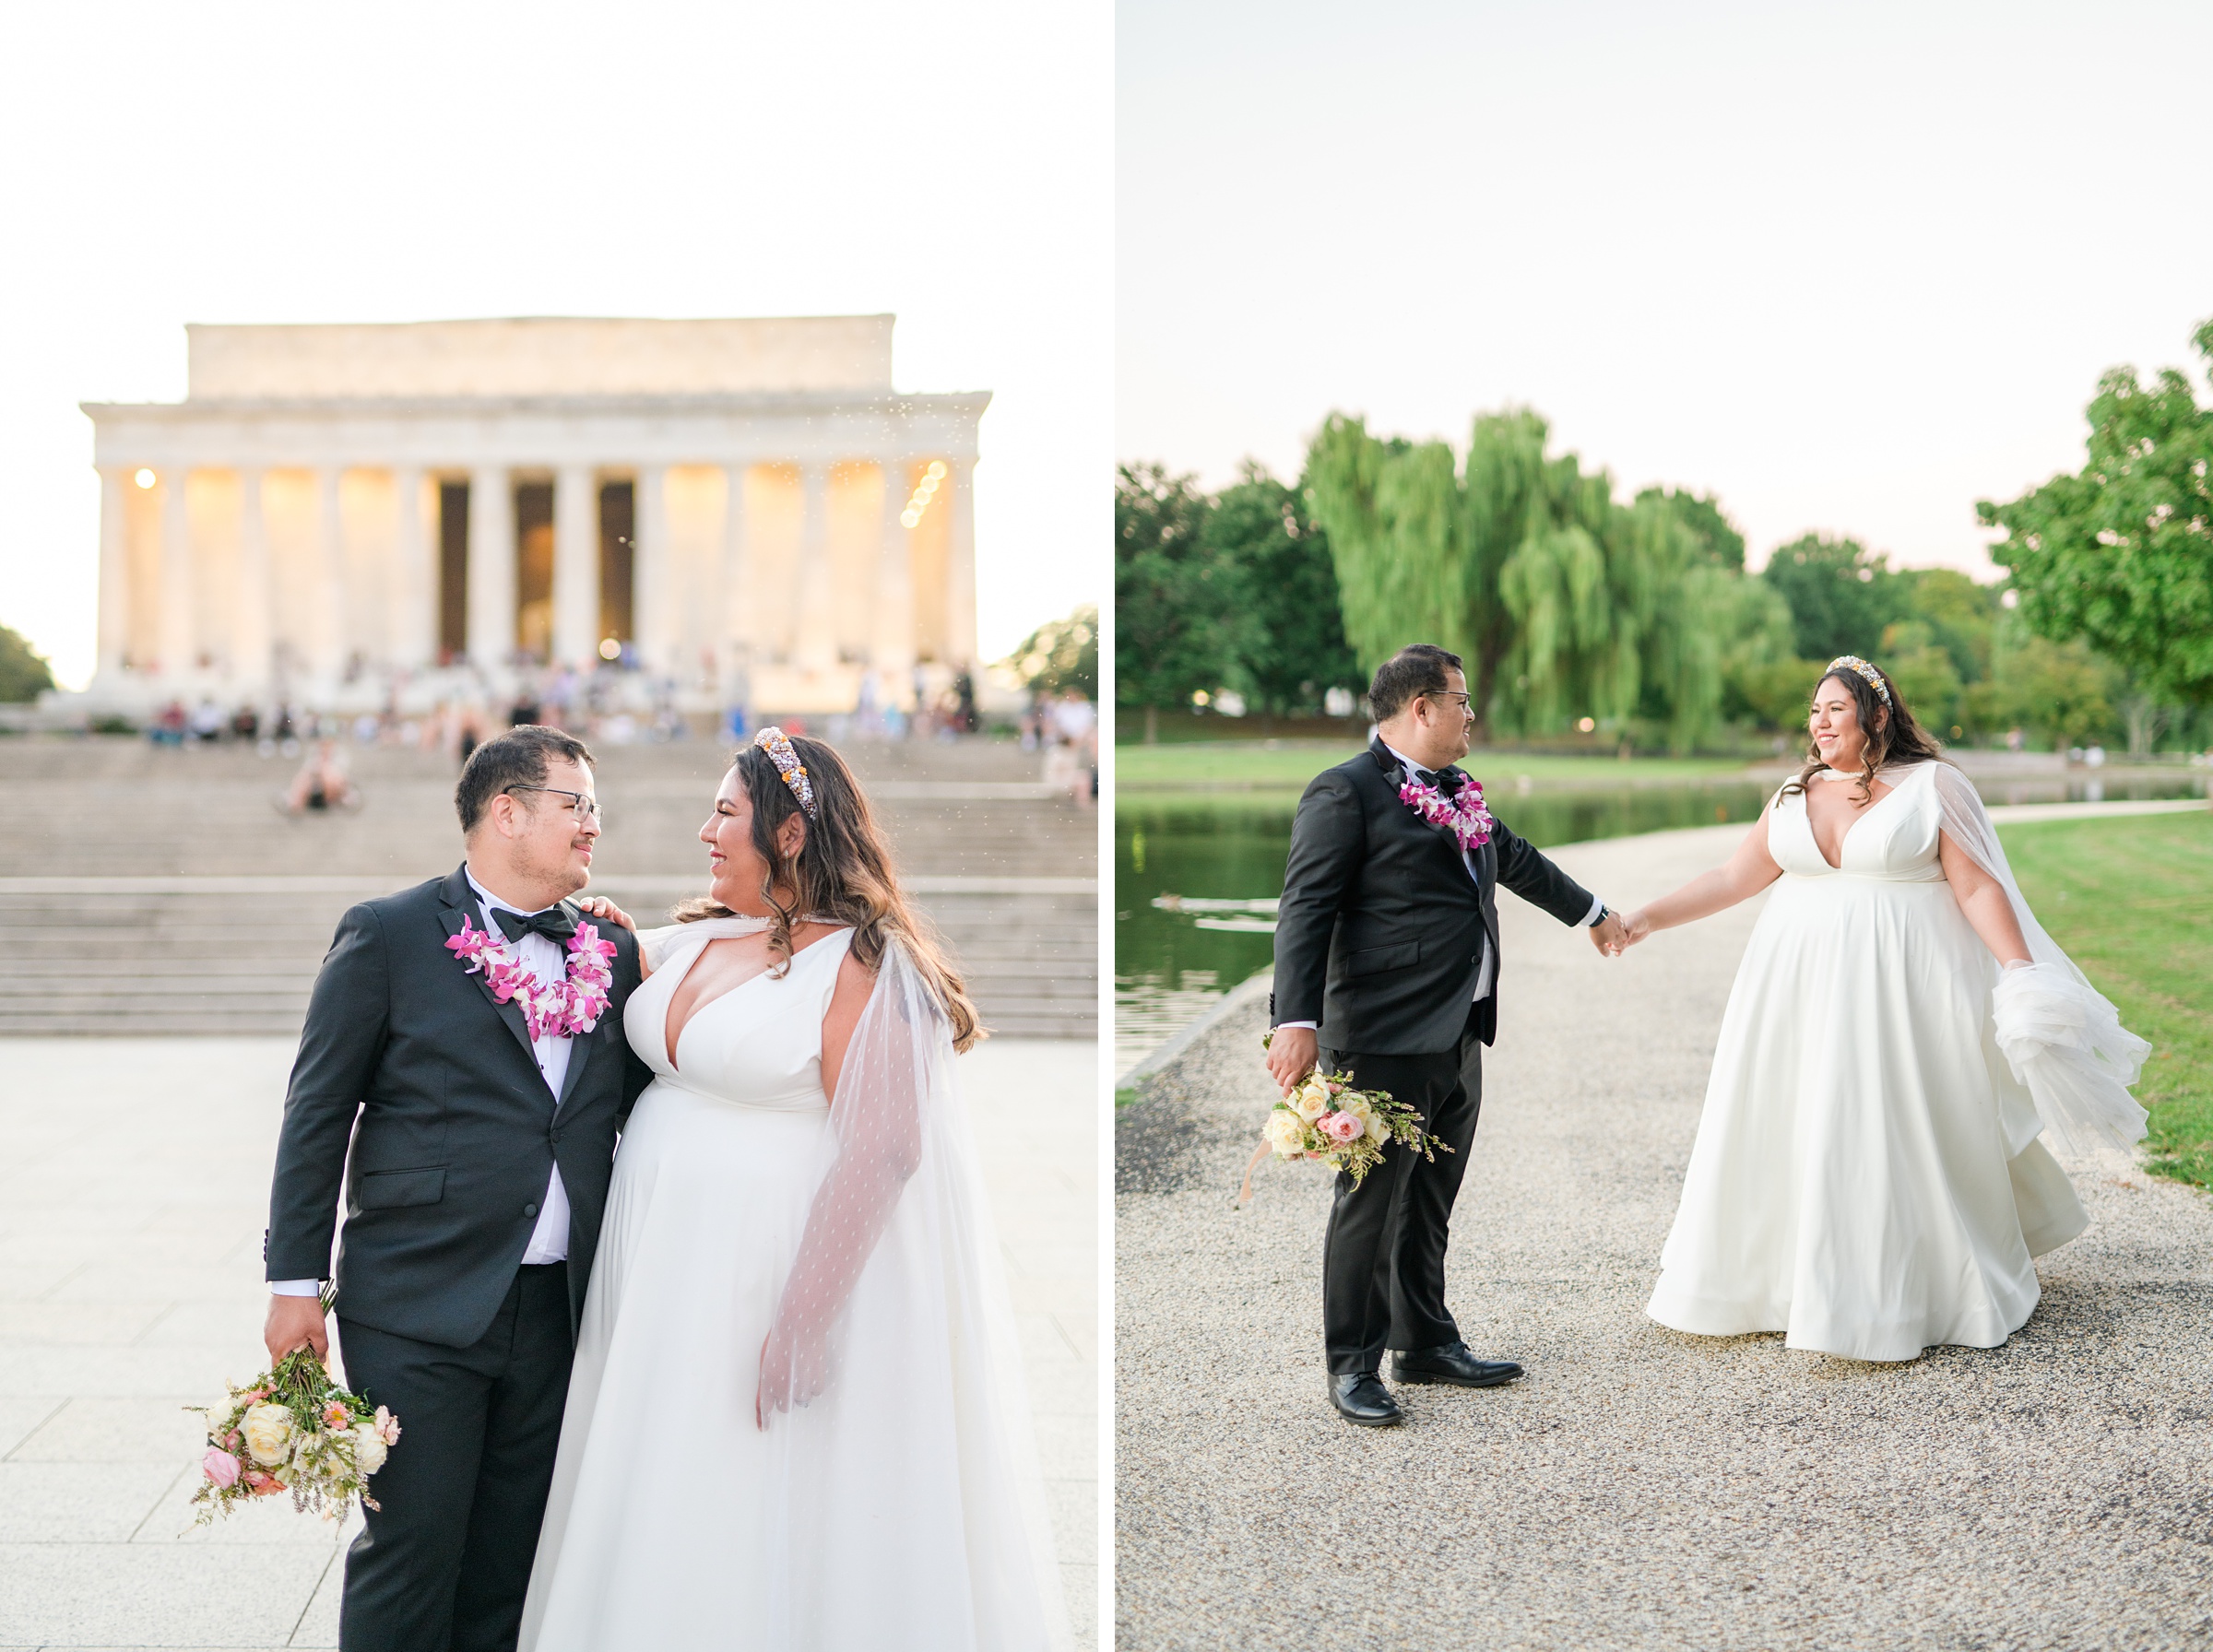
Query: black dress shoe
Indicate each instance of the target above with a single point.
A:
(1360, 1396)
(1451, 1363)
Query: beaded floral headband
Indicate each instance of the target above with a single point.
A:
(1852, 662)
(773, 741)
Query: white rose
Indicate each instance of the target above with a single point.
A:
(369, 1448)
(1285, 1134)
(269, 1431)
(1311, 1101)
(1378, 1131)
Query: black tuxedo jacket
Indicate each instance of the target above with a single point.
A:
(1380, 935)
(456, 1133)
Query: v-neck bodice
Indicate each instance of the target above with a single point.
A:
(1894, 838)
(757, 1044)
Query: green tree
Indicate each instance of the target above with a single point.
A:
(1178, 607)
(2120, 555)
(1925, 675)
(24, 673)
(1565, 603)
(1840, 596)
(1294, 650)
(1775, 693)
(2060, 692)
(1959, 614)
(1509, 568)
(1061, 654)
(1721, 542)
(1390, 511)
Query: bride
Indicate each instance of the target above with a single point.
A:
(1868, 1177)
(797, 1419)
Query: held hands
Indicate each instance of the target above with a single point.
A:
(1292, 1053)
(1616, 933)
(1608, 936)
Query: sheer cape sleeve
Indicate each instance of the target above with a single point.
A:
(2060, 1036)
(890, 1089)
(903, 1186)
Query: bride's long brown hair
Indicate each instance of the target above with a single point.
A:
(1892, 734)
(842, 874)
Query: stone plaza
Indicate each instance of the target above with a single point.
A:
(160, 926)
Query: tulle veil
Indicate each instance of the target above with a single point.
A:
(2060, 1036)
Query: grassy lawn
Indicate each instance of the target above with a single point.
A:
(2132, 902)
(1289, 764)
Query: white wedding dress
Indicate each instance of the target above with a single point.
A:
(902, 1506)
(1867, 1175)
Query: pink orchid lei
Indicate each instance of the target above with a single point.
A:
(562, 1009)
(1463, 814)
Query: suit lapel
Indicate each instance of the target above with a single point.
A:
(460, 909)
(1393, 774)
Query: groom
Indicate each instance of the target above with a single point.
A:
(1387, 967)
(475, 1161)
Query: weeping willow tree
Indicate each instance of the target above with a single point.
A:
(1391, 510)
(1564, 602)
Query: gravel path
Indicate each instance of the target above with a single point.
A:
(1639, 1488)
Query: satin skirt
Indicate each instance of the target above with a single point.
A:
(1866, 1177)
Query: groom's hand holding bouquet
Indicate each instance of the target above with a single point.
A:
(1323, 1118)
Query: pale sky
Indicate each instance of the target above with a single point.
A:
(235, 162)
(1850, 267)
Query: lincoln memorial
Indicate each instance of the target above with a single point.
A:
(346, 516)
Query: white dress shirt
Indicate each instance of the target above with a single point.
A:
(546, 961)
(1409, 768)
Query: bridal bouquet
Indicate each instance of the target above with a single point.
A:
(1326, 1121)
(292, 1429)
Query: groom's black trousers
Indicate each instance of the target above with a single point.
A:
(1383, 1261)
(443, 1567)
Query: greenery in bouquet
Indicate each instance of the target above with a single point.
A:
(292, 1429)
(1328, 1121)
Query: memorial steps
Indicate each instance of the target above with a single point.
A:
(162, 892)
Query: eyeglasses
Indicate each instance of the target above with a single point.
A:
(1447, 694)
(582, 807)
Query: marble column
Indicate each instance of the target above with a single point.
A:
(735, 625)
(178, 655)
(114, 573)
(960, 565)
(892, 629)
(815, 630)
(491, 588)
(650, 616)
(576, 566)
(327, 627)
(415, 627)
(253, 632)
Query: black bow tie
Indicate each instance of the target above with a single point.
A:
(1446, 780)
(554, 923)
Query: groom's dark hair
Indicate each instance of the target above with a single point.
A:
(516, 757)
(1416, 669)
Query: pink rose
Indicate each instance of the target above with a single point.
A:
(387, 1426)
(1341, 1127)
(221, 1467)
